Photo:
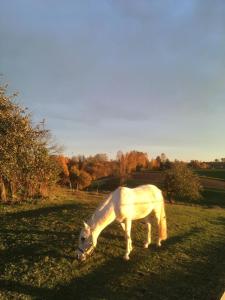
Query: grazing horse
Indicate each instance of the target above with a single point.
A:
(125, 205)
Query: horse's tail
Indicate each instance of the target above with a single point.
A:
(162, 223)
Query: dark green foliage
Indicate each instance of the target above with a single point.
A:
(181, 183)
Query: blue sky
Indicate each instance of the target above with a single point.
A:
(120, 75)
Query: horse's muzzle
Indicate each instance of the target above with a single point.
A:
(80, 256)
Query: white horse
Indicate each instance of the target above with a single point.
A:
(125, 205)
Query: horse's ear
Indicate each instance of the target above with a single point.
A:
(86, 226)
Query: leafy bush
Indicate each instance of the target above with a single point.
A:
(181, 183)
(27, 168)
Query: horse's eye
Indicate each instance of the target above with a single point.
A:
(82, 239)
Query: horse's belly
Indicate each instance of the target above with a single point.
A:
(140, 213)
(135, 212)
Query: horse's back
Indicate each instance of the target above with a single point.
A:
(146, 190)
(136, 203)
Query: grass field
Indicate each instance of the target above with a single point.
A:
(37, 243)
(213, 173)
(210, 179)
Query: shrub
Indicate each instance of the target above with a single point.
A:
(26, 166)
(181, 183)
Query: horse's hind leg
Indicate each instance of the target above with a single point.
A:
(157, 215)
(148, 241)
(128, 239)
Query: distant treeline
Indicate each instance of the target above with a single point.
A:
(216, 164)
(79, 171)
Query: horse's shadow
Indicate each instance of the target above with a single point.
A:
(177, 239)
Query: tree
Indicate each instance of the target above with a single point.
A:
(64, 171)
(84, 179)
(74, 174)
(122, 161)
(154, 164)
(181, 183)
(129, 162)
(26, 166)
(195, 164)
(98, 166)
(2, 190)
(79, 178)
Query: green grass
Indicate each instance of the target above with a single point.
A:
(213, 197)
(37, 243)
(213, 173)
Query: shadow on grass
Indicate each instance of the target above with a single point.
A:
(182, 237)
(115, 279)
(26, 242)
(45, 211)
(197, 279)
(213, 197)
(35, 292)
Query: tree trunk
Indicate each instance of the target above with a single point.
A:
(11, 190)
(70, 185)
(2, 191)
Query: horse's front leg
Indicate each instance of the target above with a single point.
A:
(128, 239)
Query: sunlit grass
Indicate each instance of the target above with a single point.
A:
(37, 243)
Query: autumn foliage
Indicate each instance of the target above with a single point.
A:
(129, 162)
(79, 171)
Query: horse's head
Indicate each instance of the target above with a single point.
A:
(85, 244)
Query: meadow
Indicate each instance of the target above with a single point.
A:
(212, 173)
(38, 240)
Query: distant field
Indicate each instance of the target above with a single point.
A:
(212, 179)
(37, 243)
(220, 174)
(213, 197)
(157, 177)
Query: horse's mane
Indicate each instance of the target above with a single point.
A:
(101, 207)
(105, 202)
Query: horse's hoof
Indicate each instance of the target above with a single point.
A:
(146, 245)
(126, 257)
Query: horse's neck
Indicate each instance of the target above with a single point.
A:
(102, 217)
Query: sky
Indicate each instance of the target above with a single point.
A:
(120, 74)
